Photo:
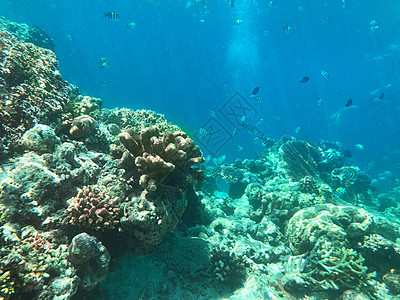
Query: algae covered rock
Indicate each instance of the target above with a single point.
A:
(39, 139)
(90, 258)
(300, 159)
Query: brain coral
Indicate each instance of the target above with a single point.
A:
(334, 223)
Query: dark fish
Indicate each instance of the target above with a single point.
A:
(255, 91)
(305, 79)
(232, 3)
(347, 153)
(112, 15)
(382, 96)
(349, 102)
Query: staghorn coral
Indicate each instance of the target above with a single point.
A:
(92, 208)
(338, 268)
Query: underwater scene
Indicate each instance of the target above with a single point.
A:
(199, 149)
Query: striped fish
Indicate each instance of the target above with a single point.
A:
(112, 15)
(325, 73)
(339, 192)
(350, 174)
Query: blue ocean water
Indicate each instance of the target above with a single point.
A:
(185, 58)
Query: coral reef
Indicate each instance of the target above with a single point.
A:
(32, 90)
(93, 208)
(28, 34)
(30, 260)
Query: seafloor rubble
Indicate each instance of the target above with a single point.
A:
(117, 204)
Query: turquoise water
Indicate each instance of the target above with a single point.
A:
(186, 57)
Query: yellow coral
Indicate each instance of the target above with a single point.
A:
(7, 286)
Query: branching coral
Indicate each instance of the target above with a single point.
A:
(158, 156)
(338, 267)
(93, 208)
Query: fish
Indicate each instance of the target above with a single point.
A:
(203, 132)
(297, 130)
(219, 160)
(349, 103)
(330, 154)
(347, 153)
(112, 15)
(238, 148)
(382, 95)
(358, 147)
(339, 192)
(320, 101)
(239, 22)
(325, 73)
(212, 113)
(103, 63)
(267, 142)
(374, 25)
(337, 116)
(259, 98)
(232, 3)
(350, 174)
(305, 79)
(271, 3)
(258, 123)
(255, 91)
(130, 25)
(234, 132)
(286, 28)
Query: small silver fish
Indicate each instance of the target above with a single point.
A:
(239, 22)
(130, 25)
(359, 146)
(238, 148)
